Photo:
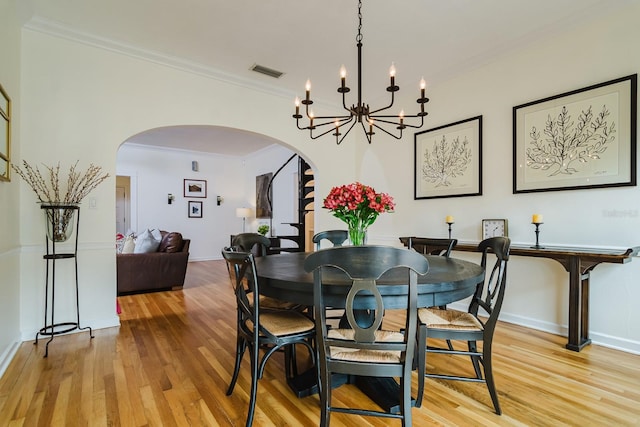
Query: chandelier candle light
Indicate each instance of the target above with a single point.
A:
(360, 112)
(358, 205)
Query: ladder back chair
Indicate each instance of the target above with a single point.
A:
(336, 237)
(470, 326)
(261, 328)
(252, 242)
(364, 349)
(432, 246)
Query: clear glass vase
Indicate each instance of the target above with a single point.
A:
(59, 220)
(358, 235)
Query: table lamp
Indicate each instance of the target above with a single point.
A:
(243, 213)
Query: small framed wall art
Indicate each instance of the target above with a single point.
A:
(196, 188)
(195, 209)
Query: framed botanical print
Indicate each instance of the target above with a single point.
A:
(5, 135)
(448, 160)
(581, 139)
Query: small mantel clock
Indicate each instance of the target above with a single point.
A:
(494, 228)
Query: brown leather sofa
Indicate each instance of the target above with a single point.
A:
(155, 271)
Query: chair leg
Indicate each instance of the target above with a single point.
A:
(422, 362)
(473, 347)
(405, 395)
(254, 350)
(488, 373)
(324, 385)
(241, 345)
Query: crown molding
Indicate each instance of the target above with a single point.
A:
(56, 29)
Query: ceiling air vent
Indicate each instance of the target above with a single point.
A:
(266, 71)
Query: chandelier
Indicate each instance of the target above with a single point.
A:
(360, 112)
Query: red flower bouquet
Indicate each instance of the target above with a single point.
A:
(359, 206)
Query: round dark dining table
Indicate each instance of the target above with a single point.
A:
(283, 276)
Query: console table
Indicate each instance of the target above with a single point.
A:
(578, 262)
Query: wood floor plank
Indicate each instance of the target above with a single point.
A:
(170, 363)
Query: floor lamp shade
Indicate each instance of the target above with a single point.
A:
(243, 213)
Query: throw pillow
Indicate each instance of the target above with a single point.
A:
(129, 245)
(146, 243)
(171, 242)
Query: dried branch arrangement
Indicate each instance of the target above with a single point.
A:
(48, 187)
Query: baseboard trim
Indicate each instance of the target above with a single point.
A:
(7, 357)
(609, 341)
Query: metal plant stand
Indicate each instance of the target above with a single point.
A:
(60, 218)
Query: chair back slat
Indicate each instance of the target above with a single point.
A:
(364, 333)
(490, 292)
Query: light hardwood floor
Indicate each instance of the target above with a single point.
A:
(170, 362)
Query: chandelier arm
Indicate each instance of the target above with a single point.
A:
(347, 132)
(384, 108)
(387, 132)
(368, 134)
(404, 123)
(323, 133)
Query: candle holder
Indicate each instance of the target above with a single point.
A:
(537, 224)
(449, 224)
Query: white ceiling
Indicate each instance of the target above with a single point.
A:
(304, 39)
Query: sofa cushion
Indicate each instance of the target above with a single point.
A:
(147, 242)
(171, 242)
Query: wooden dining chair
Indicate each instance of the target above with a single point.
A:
(470, 326)
(336, 237)
(364, 349)
(252, 242)
(431, 246)
(261, 328)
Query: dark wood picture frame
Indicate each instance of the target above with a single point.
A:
(195, 188)
(5, 135)
(195, 209)
(459, 146)
(582, 139)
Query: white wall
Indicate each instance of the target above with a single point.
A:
(9, 195)
(538, 289)
(157, 172)
(101, 98)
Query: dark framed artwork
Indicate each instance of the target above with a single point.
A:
(264, 195)
(196, 188)
(195, 209)
(448, 160)
(581, 139)
(5, 135)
